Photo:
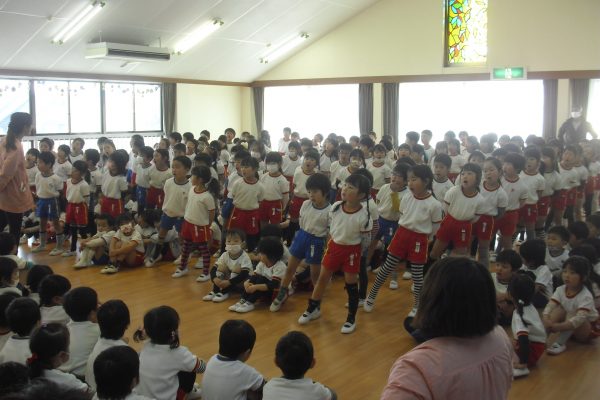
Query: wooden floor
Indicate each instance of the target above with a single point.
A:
(355, 365)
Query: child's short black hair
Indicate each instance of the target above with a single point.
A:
(271, 248)
(65, 149)
(236, 232)
(511, 258)
(14, 378)
(7, 268)
(180, 147)
(47, 157)
(115, 369)
(188, 136)
(124, 219)
(366, 140)
(92, 155)
(560, 231)
(294, 354)
(443, 159)
(105, 217)
(113, 319)
(413, 136)
(273, 157)
(587, 251)
(404, 146)
(319, 182)
(235, 338)
(5, 300)
(80, 302)
(533, 252)
(306, 142)
(34, 152)
(533, 152)
(22, 315)
(147, 152)
(175, 136)
(53, 286)
(7, 243)
(345, 147)
(579, 229)
(184, 160)
(516, 160)
(35, 276)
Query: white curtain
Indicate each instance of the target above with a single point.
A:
(593, 109)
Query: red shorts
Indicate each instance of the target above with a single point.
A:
(246, 220)
(484, 227)
(507, 225)
(295, 205)
(571, 196)
(536, 350)
(195, 233)
(112, 207)
(77, 214)
(455, 231)
(271, 211)
(409, 245)
(154, 198)
(138, 261)
(452, 176)
(543, 206)
(290, 179)
(559, 200)
(528, 213)
(340, 256)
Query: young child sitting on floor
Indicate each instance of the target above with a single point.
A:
(52, 292)
(126, 247)
(23, 315)
(94, 250)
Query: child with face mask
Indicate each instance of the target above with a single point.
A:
(276, 191)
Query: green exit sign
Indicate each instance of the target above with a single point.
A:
(509, 73)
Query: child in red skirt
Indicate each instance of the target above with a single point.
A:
(552, 185)
(276, 191)
(517, 194)
(114, 185)
(78, 200)
(157, 176)
(535, 184)
(309, 167)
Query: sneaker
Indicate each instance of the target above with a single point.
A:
(69, 253)
(220, 297)
(196, 393)
(109, 269)
(81, 264)
(203, 278)
(368, 305)
(236, 305)
(412, 288)
(209, 297)
(36, 242)
(406, 275)
(245, 307)
(520, 372)
(56, 251)
(151, 261)
(375, 271)
(23, 239)
(306, 317)
(348, 327)
(199, 264)
(393, 285)
(412, 313)
(180, 272)
(556, 349)
(38, 249)
(177, 261)
(277, 303)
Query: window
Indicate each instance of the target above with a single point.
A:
(119, 107)
(51, 106)
(148, 106)
(84, 99)
(311, 109)
(14, 97)
(466, 31)
(478, 107)
(593, 109)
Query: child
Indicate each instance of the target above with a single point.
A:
(458, 160)
(420, 215)
(167, 369)
(23, 315)
(348, 221)
(46, 145)
(564, 205)
(266, 278)
(48, 190)
(113, 321)
(236, 341)
(176, 190)
(52, 290)
(571, 309)
(199, 213)
(62, 168)
(441, 182)
(464, 205)
(552, 185)
(114, 185)
(5, 332)
(81, 305)
(379, 169)
(309, 241)
(117, 371)
(34, 277)
(357, 161)
(232, 268)
(284, 142)
(556, 252)
(174, 139)
(179, 150)
(9, 276)
(294, 355)
(343, 162)
(578, 232)
(31, 168)
(309, 167)
(94, 250)
(533, 253)
(508, 263)
(91, 158)
(366, 145)
(142, 179)
(517, 194)
(126, 247)
(426, 136)
(157, 176)
(8, 249)
(329, 155)
(276, 191)
(527, 327)
(535, 184)
(77, 146)
(78, 198)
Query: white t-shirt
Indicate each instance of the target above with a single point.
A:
(300, 178)
(226, 379)
(458, 161)
(95, 180)
(274, 186)
(64, 379)
(543, 277)
(159, 366)
(492, 200)
(530, 324)
(555, 264)
(385, 202)
(582, 172)
(282, 145)
(63, 171)
(101, 345)
(16, 349)
(176, 197)
(516, 192)
(83, 338)
(198, 207)
(288, 166)
(277, 271)
(569, 177)
(78, 157)
(340, 177)
(134, 237)
(534, 184)
(54, 314)
(247, 196)
(325, 163)
(582, 303)
(346, 228)
(4, 338)
(78, 192)
(47, 187)
(235, 265)
(142, 175)
(333, 172)
(113, 186)
(31, 173)
(500, 287)
(157, 177)
(552, 183)
(420, 214)
(461, 206)
(440, 188)
(314, 220)
(292, 389)
(380, 174)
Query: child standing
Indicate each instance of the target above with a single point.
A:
(31, 168)
(62, 168)
(328, 156)
(78, 198)
(77, 150)
(343, 162)
(379, 169)
(142, 178)
(157, 176)
(276, 191)
(348, 221)
(517, 194)
(114, 185)
(309, 167)
(565, 206)
(533, 253)
(552, 185)
(91, 158)
(441, 182)
(126, 247)
(458, 161)
(535, 184)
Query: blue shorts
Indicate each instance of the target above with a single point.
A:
(140, 195)
(387, 229)
(167, 223)
(47, 208)
(129, 175)
(308, 247)
(227, 208)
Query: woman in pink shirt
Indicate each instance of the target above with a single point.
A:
(15, 196)
(467, 356)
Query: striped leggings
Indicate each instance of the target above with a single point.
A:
(389, 266)
(186, 250)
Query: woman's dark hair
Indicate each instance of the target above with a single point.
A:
(476, 169)
(522, 288)
(161, 324)
(115, 369)
(46, 342)
(113, 319)
(7, 267)
(65, 149)
(18, 122)
(236, 336)
(294, 354)
(203, 172)
(92, 155)
(458, 299)
(35, 276)
(120, 162)
(423, 172)
(164, 154)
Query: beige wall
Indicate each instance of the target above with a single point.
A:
(401, 37)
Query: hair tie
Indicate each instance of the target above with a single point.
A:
(521, 302)
(34, 357)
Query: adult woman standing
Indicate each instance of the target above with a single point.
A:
(15, 196)
(467, 356)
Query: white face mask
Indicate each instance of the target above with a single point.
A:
(576, 114)
(292, 154)
(255, 154)
(272, 168)
(233, 248)
(356, 163)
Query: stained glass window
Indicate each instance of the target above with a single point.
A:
(466, 31)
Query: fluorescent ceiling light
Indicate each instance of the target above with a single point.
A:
(284, 48)
(79, 21)
(198, 35)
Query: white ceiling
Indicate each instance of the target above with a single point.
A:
(230, 54)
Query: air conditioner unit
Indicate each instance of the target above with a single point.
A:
(128, 52)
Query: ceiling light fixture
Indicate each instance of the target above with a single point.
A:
(79, 21)
(284, 48)
(200, 33)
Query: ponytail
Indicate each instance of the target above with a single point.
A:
(47, 341)
(213, 186)
(18, 122)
